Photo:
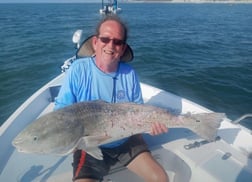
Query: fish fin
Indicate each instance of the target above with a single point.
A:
(95, 152)
(208, 124)
(91, 141)
(90, 145)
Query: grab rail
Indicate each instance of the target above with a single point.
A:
(241, 118)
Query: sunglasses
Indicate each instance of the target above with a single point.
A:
(106, 40)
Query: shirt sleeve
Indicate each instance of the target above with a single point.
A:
(137, 92)
(66, 94)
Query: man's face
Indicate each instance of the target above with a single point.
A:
(109, 45)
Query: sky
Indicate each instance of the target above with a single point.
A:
(48, 1)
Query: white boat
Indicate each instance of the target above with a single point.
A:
(110, 8)
(185, 156)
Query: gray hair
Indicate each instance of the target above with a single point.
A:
(116, 19)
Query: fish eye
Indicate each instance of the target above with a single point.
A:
(35, 138)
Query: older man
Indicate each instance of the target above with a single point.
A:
(106, 76)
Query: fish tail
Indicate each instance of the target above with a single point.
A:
(208, 124)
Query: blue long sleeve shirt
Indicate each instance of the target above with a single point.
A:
(84, 81)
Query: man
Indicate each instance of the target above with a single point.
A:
(106, 76)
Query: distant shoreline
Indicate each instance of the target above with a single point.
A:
(144, 1)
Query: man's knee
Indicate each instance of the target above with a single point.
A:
(160, 176)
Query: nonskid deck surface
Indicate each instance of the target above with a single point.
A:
(215, 161)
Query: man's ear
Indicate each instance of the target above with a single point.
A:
(124, 48)
(94, 42)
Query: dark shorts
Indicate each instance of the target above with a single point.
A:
(86, 166)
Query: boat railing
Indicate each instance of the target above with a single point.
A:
(242, 118)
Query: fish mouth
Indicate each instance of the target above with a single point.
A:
(17, 142)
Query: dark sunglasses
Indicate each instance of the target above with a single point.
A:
(106, 40)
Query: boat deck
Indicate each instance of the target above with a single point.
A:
(184, 155)
(215, 161)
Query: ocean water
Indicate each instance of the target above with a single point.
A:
(202, 52)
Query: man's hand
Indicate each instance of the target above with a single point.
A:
(158, 128)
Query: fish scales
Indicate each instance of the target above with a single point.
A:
(125, 119)
(86, 125)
